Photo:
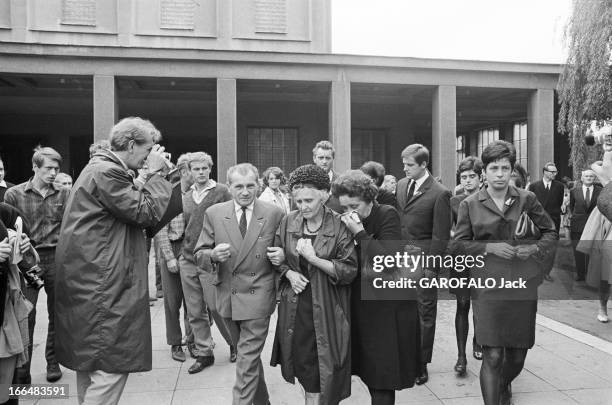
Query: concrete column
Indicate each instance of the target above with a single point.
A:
(105, 105)
(340, 122)
(444, 134)
(227, 139)
(540, 131)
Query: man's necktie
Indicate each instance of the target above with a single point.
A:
(411, 191)
(587, 199)
(243, 222)
(547, 187)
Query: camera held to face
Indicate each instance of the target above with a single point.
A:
(601, 135)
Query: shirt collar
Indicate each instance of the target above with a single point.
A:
(585, 187)
(3, 183)
(211, 185)
(238, 207)
(547, 182)
(419, 182)
(120, 160)
(29, 186)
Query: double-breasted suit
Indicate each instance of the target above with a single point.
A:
(426, 223)
(580, 211)
(245, 286)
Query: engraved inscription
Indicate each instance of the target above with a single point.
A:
(177, 14)
(271, 16)
(79, 12)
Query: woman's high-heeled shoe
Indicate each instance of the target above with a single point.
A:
(461, 366)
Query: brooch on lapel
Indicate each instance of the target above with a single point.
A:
(509, 202)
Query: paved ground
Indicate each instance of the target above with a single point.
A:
(567, 366)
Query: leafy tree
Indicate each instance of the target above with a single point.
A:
(585, 86)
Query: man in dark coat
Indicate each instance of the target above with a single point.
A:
(103, 323)
(425, 214)
(583, 199)
(550, 194)
(323, 155)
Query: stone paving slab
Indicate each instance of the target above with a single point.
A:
(558, 370)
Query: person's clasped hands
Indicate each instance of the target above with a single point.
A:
(507, 251)
(6, 245)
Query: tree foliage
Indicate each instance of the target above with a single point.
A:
(585, 86)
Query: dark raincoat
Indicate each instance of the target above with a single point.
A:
(102, 317)
(330, 301)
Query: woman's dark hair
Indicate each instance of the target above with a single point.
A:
(277, 172)
(521, 174)
(498, 150)
(355, 183)
(309, 175)
(375, 170)
(470, 163)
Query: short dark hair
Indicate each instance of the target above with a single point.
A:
(40, 153)
(470, 163)
(355, 183)
(325, 145)
(522, 175)
(375, 170)
(548, 164)
(419, 152)
(497, 150)
(277, 172)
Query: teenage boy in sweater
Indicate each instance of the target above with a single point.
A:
(197, 287)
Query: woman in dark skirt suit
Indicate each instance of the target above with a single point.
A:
(470, 174)
(505, 317)
(385, 334)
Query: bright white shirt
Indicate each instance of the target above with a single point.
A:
(547, 184)
(584, 190)
(419, 182)
(3, 183)
(198, 196)
(249, 212)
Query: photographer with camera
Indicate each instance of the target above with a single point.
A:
(42, 203)
(103, 319)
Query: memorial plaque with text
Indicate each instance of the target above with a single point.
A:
(178, 14)
(79, 12)
(271, 16)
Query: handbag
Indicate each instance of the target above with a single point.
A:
(526, 229)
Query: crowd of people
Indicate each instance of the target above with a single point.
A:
(231, 252)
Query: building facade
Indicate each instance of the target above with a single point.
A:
(252, 80)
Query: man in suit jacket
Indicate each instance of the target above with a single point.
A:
(550, 194)
(233, 247)
(323, 155)
(425, 214)
(583, 199)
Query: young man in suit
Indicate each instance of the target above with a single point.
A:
(550, 194)
(233, 247)
(583, 199)
(323, 155)
(425, 214)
